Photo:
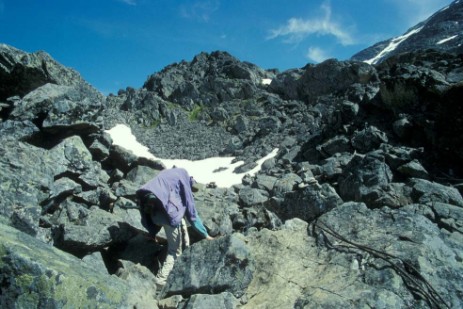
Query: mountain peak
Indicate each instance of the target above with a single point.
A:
(442, 31)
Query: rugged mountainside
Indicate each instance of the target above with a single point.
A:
(442, 31)
(361, 207)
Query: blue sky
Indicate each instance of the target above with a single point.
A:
(114, 44)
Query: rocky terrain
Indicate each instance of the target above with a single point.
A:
(442, 31)
(361, 208)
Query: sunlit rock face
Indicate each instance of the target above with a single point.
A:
(333, 185)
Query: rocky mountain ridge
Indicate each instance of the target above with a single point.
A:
(443, 31)
(361, 207)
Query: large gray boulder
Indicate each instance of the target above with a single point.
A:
(208, 78)
(222, 265)
(58, 107)
(396, 251)
(307, 203)
(36, 275)
(357, 257)
(22, 72)
(330, 76)
(365, 179)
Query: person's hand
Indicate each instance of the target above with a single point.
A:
(209, 237)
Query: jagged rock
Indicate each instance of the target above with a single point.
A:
(397, 156)
(140, 280)
(173, 302)
(36, 275)
(307, 203)
(252, 196)
(73, 158)
(243, 168)
(99, 145)
(256, 217)
(332, 167)
(223, 265)
(27, 219)
(368, 139)
(227, 78)
(414, 169)
(57, 107)
(46, 176)
(288, 155)
(446, 216)
(234, 144)
(121, 158)
(99, 229)
(269, 124)
(432, 33)
(284, 184)
(283, 272)
(335, 145)
(402, 127)
(365, 179)
(219, 301)
(217, 207)
(59, 191)
(401, 92)
(264, 182)
(350, 110)
(125, 188)
(332, 76)
(23, 176)
(64, 183)
(95, 260)
(268, 164)
(129, 212)
(285, 83)
(415, 250)
(22, 72)
(394, 195)
(141, 249)
(425, 191)
(18, 130)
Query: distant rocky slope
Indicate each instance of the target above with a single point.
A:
(361, 207)
(443, 31)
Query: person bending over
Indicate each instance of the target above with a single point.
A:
(166, 201)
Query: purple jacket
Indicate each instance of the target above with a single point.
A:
(173, 188)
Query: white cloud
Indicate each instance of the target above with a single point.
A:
(199, 10)
(317, 54)
(296, 29)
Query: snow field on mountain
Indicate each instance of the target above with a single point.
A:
(217, 169)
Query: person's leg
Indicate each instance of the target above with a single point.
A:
(186, 237)
(174, 249)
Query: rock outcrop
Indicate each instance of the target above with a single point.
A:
(361, 207)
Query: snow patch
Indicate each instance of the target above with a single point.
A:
(216, 169)
(447, 39)
(266, 81)
(445, 8)
(392, 45)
